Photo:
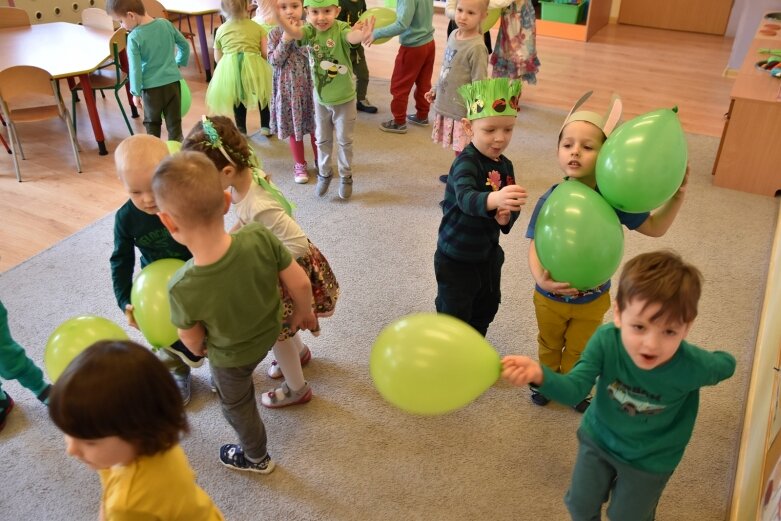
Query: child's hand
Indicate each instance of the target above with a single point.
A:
(682, 189)
(303, 320)
(521, 370)
(511, 198)
(131, 319)
(138, 102)
(502, 216)
(431, 95)
(557, 288)
(367, 30)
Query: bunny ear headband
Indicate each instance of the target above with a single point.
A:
(606, 123)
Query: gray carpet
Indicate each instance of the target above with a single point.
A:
(347, 455)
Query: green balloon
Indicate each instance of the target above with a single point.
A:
(74, 336)
(490, 19)
(578, 237)
(643, 162)
(383, 17)
(173, 147)
(186, 97)
(151, 307)
(432, 364)
(390, 4)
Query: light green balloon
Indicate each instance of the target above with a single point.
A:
(173, 146)
(383, 17)
(186, 97)
(643, 162)
(151, 307)
(490, 19)
(578, 237)
(74, 336)
(432, 364)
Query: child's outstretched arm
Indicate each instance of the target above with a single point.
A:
(660, 221)
(542, 276)
(194, 338)
(361, 30)
(297, 283)
(521, 370)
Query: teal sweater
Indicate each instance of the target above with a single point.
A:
(150, 54)
(414, 23)
(643, 418)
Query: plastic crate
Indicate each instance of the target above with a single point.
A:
(566, 13)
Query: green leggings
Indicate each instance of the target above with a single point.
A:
(14, 363)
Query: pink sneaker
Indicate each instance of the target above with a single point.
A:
(301, 175)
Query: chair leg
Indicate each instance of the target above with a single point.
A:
(72, 134)
(124, 115)
(14, 145)
(5, 143)
(195, 53)
(73, 111)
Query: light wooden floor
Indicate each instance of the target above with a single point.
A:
(649, 68)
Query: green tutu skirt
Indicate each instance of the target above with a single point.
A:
(239, 78)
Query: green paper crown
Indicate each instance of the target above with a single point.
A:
(320, 3)
(491, 97)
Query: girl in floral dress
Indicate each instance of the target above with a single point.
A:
(515, 52)
(292, 104)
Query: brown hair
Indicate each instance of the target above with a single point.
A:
(123, 7)
(661, 277)
(234, 8)
(187, 185)
(119, 388)
(233, 142)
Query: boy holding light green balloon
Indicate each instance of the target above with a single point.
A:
(136, 225)
(566, 316)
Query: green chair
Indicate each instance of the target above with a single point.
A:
(110, 78)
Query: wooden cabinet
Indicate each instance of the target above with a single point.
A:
(749, 156)
(597, 17)
(698, 16)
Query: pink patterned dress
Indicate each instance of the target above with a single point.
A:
(292, 94)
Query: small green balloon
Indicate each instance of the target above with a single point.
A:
(186, 97)
(432, 364)
(151, 307)
(578, 237)
(383, 17)
(74, 336)
(490, 19)
(643, 162)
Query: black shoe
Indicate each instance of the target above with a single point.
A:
(43, 396)
(5, 408)
(187, 356)
(538, 398)
(583, 405)
(443, 178)
(365, 106)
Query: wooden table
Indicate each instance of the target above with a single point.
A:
(749, 156)
(197, 8)
(64, 50)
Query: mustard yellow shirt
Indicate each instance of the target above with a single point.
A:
(156, 488)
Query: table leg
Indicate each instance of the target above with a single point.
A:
(205, 54)
(124, 66)
(92, 109)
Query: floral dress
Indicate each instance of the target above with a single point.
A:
(292, 98)
(515, 52)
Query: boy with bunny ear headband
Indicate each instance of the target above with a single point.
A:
(567, 317)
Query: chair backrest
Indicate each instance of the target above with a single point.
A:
(13, 17)
(23, 84)
(155, 9)
(117, 44)
(97, 18)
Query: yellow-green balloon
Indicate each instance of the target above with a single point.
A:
(490, 19)
(578, 237)
(643, 162)
(173, 146)
(186, 96)
(74, 336)
(432, 364)
(383, 17)
(151, 307)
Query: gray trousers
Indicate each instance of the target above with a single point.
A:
(341, 119)
(361, 71)
(597, 476)
(237, 399)
(165, 100)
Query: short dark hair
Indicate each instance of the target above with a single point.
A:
(187, 185)
(123, 7)
(119, 388)
(661, 277)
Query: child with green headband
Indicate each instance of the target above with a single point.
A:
(481, 199)
(256, 199)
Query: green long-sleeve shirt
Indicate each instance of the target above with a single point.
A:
(136, 229)
(414, 23)
(151, 58)
(642, 417)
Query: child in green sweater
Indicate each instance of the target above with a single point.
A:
(648, 381)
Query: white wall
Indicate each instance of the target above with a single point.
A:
(743, 23)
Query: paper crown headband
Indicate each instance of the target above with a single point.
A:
(320, 3)
(491, 97)
(606, 123)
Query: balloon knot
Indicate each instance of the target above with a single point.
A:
(675, 109)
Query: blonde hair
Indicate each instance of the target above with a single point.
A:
(140, 151)
(187, 186)
(484, 3)
(234, 8)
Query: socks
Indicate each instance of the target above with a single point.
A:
(287, 354)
